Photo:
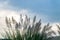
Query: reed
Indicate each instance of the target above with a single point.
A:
(30, 31)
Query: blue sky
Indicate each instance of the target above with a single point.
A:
(50, 8)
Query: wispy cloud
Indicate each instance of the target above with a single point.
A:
(3, 3)
(6, 9)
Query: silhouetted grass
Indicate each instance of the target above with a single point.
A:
(32, 30)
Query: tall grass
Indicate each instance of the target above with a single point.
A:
(58, 29)
(30, 31)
